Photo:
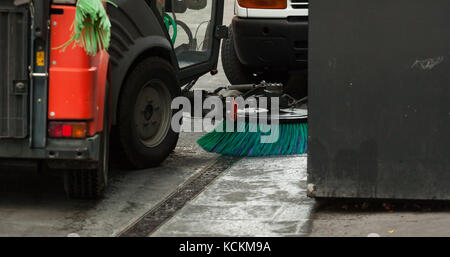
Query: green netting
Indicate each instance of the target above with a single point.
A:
(91, 29)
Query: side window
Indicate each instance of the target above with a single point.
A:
(190, 24)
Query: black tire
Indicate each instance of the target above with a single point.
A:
(144, 118)
(91, 183)
(235, 71)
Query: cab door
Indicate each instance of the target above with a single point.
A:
(195, 29)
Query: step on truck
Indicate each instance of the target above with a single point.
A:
(58, 108)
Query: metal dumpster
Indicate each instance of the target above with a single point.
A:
(379, 99)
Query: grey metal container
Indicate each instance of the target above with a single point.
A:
(14, 62)
(379, 99)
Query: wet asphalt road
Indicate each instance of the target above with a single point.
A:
(35, 205)
(254, 197)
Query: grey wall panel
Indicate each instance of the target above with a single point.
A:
(14, 27)
(379, 99)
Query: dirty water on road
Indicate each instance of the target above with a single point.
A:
(255, 197)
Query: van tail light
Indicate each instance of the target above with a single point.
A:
(67, 129)
(263, 4)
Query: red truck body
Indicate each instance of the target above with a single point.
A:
(76, 80)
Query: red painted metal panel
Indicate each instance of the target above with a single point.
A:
(77, 81)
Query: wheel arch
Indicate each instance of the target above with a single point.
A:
(142, 49)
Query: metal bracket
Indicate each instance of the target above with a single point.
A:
(21, 2)
(189, 86)
(221, 32)
(20, 87)
(39, 75)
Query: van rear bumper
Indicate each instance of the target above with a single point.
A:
(271, 43)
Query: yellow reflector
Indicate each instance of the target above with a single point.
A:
(40, 58)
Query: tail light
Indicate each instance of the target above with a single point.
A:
(67, 129)
(263, 4)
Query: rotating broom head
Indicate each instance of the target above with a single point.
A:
(284, 134)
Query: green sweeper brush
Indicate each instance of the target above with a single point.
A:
(92, 28)
(290, 135)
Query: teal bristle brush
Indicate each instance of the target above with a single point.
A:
(246, 139)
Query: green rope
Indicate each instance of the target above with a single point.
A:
(169, 21)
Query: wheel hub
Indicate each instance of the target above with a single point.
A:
(152, 113)
(148, 112)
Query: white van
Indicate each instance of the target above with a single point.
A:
(268, 40)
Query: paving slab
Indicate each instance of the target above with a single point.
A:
(255, 197)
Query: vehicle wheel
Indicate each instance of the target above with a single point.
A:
(91, 183)
(145, 113)
(235, 71)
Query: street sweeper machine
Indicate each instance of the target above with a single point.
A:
(77, 76)
(73, 71)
